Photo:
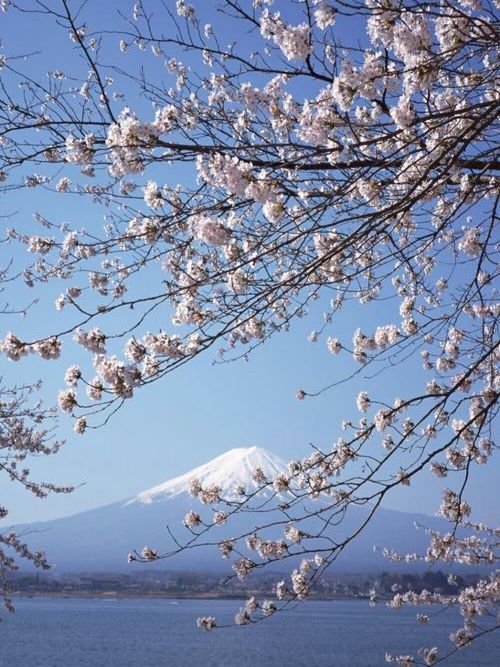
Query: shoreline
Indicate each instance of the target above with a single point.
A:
(120, 595)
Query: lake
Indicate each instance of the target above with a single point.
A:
(73, 632)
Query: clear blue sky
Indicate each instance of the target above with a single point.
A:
(202, 410)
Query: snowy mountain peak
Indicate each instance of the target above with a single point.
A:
(227, 471)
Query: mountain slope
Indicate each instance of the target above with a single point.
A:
(101, 539)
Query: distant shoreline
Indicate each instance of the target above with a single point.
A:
(119, 595)
(203, 586)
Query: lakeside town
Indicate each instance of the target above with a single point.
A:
(217, 585)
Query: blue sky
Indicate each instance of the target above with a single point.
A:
(203, 409)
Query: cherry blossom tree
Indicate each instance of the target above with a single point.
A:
(25, 432)
(27, 429)
(332, 154)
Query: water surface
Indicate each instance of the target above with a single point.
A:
(71, 632)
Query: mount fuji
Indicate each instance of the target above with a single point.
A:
(228, 471)
(100, 539)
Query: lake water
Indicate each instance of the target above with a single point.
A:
(57, 632)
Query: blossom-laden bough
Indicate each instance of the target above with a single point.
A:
(26, 431)
(332, 153)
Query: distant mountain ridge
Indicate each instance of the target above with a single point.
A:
(100, 539)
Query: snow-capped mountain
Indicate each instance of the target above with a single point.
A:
(101, 539)
(232, 469)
